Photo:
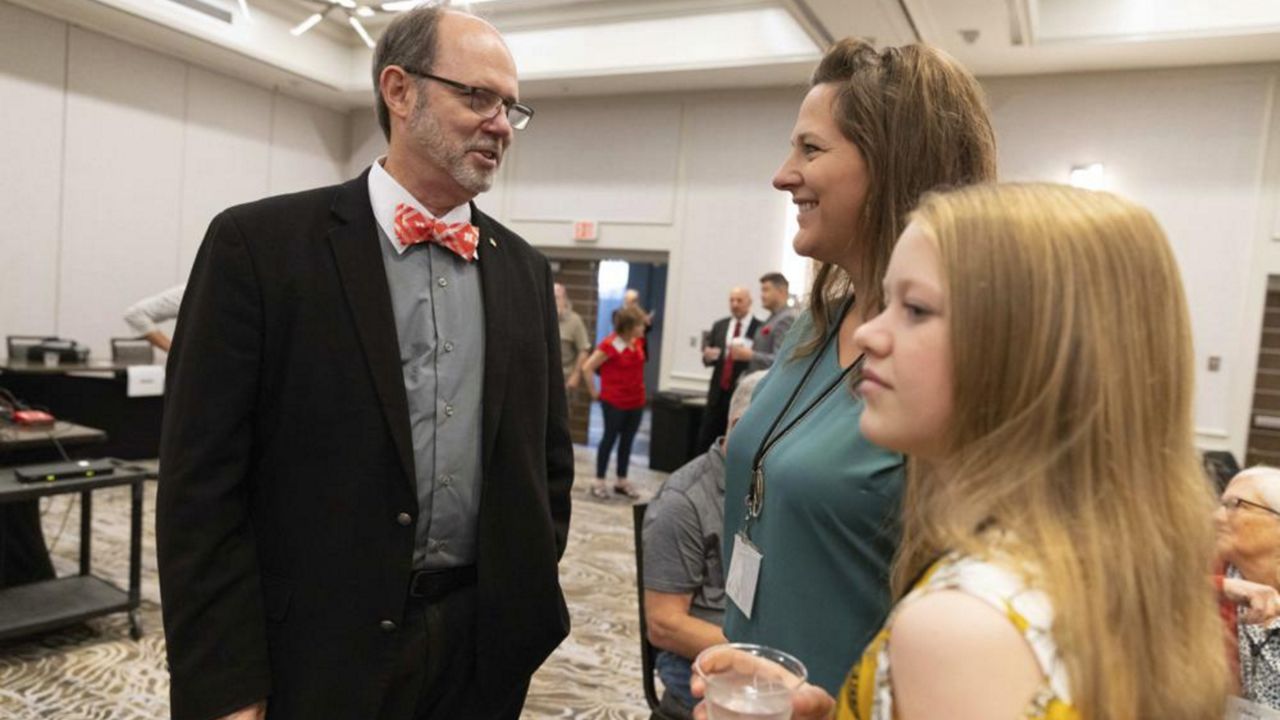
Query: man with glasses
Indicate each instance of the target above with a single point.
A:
(366, 454)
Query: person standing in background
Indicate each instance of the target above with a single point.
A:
(775, 293)
(631, 299)
(737, 330)
(144, 315)
(619, 358)
(575, 344)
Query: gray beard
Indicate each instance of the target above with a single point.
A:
(453, 159)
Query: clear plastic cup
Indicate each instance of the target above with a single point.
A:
(749, 682)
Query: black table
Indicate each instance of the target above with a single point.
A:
(40, 606)
(95, 394)
(677, 420)
(23, 556)
(17, 440)
(23, 367)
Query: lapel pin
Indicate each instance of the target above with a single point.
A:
(493, 242)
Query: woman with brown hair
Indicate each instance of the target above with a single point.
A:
(1034, 359)
(619, 359)
(876, 130)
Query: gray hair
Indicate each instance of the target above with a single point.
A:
(409, 41)
(1266, 480)
(742, 395)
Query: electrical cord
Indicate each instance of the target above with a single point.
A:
(9, 431)
(62, 525)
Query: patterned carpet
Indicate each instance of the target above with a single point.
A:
(95, 672)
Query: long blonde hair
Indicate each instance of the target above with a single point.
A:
(1072, 429)
(920, 121)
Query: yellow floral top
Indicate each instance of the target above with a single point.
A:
(867, 693)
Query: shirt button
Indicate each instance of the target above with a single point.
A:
(404, 519)
(448, 410)
(446, 480)
(443, 282)
(387, 626)
(448, 347)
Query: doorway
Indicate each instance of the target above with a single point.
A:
(595, 283)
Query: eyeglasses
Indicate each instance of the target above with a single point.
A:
(1234, 503)
(485, 103)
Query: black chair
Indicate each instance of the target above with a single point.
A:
(647, 651)
(1220, 466)
(132, 351)
(16, 345)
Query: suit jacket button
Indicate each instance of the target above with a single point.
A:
(387, 626)
(404, 519)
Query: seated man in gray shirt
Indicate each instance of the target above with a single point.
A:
(683, 573)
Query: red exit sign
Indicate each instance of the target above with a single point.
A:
(584, 230)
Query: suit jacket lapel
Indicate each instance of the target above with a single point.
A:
(355, 239)
(495, 268)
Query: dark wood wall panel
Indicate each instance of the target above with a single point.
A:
(579, 280)
(1264, 420)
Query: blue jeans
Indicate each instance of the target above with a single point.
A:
(674, 671)
(619, 426)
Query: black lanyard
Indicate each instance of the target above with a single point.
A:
(755, 491)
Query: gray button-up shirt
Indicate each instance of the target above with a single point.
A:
(439, 314)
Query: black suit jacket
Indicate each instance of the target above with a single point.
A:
(287, 459)
(718, 333)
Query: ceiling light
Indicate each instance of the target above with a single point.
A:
(1089, 177)
(244, 10)
(359, 28)
(403, 5)
(307, 24)
(364, 11)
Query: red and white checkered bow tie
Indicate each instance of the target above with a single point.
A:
(412, 227)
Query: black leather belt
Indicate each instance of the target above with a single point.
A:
(434, 585)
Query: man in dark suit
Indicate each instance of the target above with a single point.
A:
(736, 330)
(774, 296)
(366, 457)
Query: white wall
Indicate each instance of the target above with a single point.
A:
(685, 175)
(116, 158)
(1191, 144)
(33, 57)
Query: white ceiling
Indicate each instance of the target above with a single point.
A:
(586, 47)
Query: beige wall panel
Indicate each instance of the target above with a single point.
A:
(367, 143)
(309, 146)
(122, 183)
(227, 154)
(32, 72)
(1188, 145)
(611, 160)
(733, 229)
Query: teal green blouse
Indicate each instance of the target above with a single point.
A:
(829, 526)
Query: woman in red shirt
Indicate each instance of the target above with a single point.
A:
(619, 359)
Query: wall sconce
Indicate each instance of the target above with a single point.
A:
(1090, 177)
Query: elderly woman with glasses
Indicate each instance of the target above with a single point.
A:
(1248, 522)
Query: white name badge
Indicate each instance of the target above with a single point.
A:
(744, 571)
(1241, 709)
